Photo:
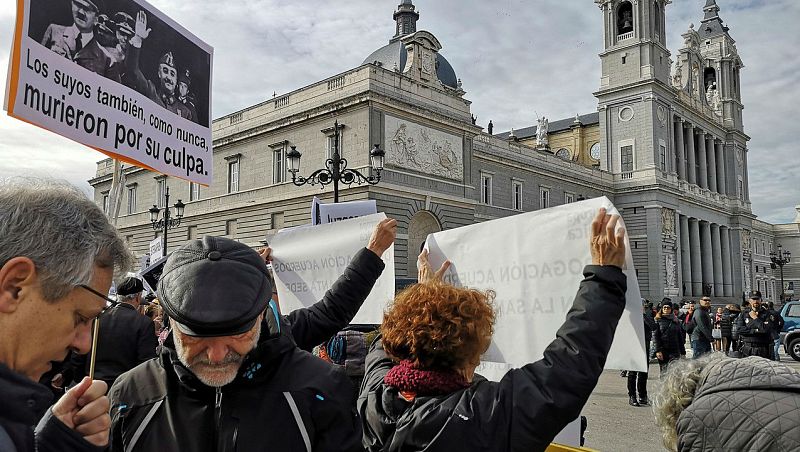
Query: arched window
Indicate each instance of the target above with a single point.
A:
(709, 77)
(657, 21)
(624, 18)
(563, 154)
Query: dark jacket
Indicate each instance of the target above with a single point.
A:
(254, 409)
(125, 340)
(523, 411)
(26, 403)
(748, 404)
(702, 321)
(725, 324)
(756, 331)
(668, 338)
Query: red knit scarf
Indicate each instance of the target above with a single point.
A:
(412, 382)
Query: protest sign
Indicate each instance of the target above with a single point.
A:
(156, 249)
(329, 213)
(307, 261)
(118, 76)
(534, 262)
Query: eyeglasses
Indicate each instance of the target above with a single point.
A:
(104, 297)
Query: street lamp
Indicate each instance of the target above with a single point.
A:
(336, 169)
(780, 259)
(166, 223)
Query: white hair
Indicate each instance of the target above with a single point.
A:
(61, 230)
(676, 392)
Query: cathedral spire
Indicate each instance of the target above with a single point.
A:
(406, 17)
(711, 25)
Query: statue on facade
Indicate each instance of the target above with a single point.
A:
(541, 133)
(490, 127)
(677, 79)
(696, 81)
(716, 102)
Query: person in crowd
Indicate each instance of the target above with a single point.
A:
(100, 55)
(667, 337)
(701, 334)
(58, 254)
(637, 381)
(68, 40)
(126, 338)
(723, 325)
(722, 403)
(731, 311)
(755, 329)
(241, 374)
(163, 92)
(184, 95)
(687, 325)
(777, 326)
(420, 391)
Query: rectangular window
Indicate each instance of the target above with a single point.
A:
(278, 165)
(626, 156)
(233, 176)
(194, 191)
(569, 197)
(662, 154)
(277, 220)
(191, 232)
(486, 189)
(230, 228)
(516, 193)
(741, 189)
(332, 144)
(544, 196)
(105, 202)
(131, 199)
(161, 192)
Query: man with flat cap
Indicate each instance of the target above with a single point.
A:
(755, 329)
(232, 374)
(126, 337)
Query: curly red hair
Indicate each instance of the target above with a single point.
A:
(439, 326)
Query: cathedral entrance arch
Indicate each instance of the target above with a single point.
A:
(422, 223)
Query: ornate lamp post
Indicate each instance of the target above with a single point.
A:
(336, 170)
(167, 222)
(780, 259)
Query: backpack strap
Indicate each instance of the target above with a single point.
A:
(140, 429)
(300, 424)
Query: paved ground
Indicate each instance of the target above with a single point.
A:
(616, 426)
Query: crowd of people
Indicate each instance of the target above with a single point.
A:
(211, 362)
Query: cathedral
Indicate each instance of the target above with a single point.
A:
(667, 145)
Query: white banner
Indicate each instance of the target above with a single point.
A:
(534, 262)
(80, 69)
(330, 213)
(307, 261)
(156, 249)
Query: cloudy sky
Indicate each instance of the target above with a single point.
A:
(516, 58)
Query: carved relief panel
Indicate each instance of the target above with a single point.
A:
(412, 146)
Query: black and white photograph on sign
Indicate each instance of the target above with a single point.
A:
(125, 42)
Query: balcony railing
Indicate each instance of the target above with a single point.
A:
(625, 36)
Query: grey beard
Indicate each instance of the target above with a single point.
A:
(211, 374)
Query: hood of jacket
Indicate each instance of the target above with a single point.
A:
(743, 404)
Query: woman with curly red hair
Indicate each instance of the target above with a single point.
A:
(420, 391)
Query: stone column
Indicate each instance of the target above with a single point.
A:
(686, 257)
(694, 251)
(717, 261)
(690, 164)
(680, 149)
(712, 163)
(707, 255)
(727, 275)
(722, 186)
(702, 175)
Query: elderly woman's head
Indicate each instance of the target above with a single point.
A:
(437, 326)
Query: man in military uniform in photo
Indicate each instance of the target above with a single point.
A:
(68, 40)
(755, 329)
(100, 55)
(184, 95)
(162, 93)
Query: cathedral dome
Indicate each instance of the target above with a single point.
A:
(393, 56)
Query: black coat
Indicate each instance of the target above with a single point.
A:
(25, 404)
(254, 410)
(523, 411)
(668, 338)
(126, 339)
(756, 331)
(702, 321)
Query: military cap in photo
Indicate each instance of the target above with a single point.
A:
(97, 5)
(130, 286)
(185, 77)
(214, 287)
(167, 59)
(755, 295)
(124, 22)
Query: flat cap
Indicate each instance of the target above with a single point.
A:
(130, 286)
(214, 287)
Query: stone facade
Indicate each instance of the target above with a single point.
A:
(686, 224)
